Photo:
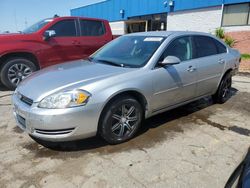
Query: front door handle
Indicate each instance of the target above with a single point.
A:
(191, 69)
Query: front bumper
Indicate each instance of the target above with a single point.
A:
(56, 124)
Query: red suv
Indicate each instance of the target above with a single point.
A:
(49, 42)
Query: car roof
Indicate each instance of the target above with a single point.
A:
(76, 17)
(168, 33)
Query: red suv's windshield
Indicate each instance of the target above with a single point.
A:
(37, 26)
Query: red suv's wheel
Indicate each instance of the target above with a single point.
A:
(15, 70)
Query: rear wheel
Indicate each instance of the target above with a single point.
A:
(15, 70)
(121, 120)
(224, 91)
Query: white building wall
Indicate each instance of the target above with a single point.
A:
(237, 28)
(203, 20)
(118, 28)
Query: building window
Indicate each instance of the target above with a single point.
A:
(237, 14)
(153, 22)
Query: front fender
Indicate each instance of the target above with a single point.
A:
(141, 85)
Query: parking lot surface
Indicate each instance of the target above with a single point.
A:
(197, 145)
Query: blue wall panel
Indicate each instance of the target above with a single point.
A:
(235, 1)
(110, 9)
(194, 4)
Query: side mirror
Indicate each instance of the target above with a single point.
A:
(49, 34)
(170, 60)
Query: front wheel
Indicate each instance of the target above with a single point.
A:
(224, 91)
(15, 70)
(121, 119)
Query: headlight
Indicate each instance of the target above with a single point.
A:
(65, 99)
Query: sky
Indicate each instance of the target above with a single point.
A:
(15, 15)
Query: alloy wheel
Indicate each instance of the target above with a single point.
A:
(124, 120)
(226, 88)
(18, 72)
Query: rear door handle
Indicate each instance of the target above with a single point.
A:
(191, 68)
(221, 61)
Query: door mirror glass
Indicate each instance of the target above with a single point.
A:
(49, 34)
(170, 60)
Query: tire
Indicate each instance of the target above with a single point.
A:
(223, 93)
(120, 120)
(15, 70)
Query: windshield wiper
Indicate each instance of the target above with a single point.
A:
(110, 63)
(90, 59)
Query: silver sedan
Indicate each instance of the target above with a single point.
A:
(134, 77)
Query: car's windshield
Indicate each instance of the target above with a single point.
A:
(37, 26)
(128, 51)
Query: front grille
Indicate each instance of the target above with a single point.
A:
(21, 121)
(26, 100)
(54, 132)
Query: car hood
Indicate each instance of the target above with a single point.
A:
(13, 36)
(71, 75)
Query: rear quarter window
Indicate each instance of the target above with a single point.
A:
(220, 47)
(92, 28)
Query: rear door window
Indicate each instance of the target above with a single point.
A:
(65, 28)
(205, 46)
(92, 28)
